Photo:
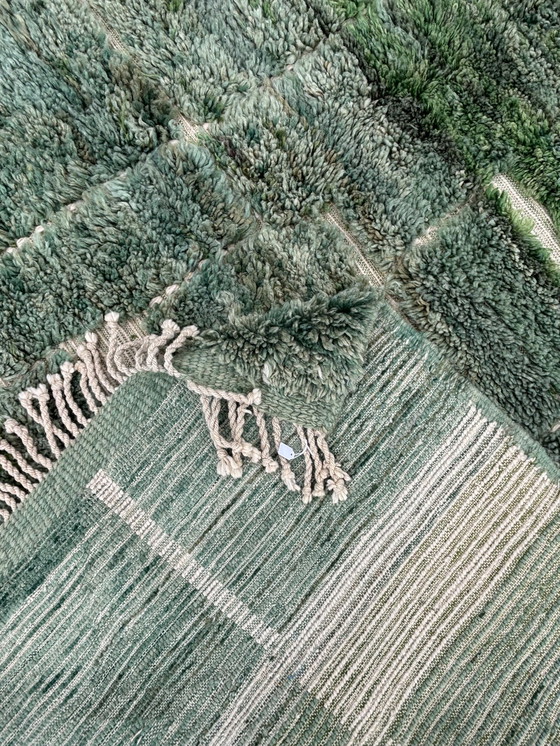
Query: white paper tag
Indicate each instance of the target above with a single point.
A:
(286, 452)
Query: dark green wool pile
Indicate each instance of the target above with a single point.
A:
(392, 116)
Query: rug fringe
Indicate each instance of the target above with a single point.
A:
(99, 372)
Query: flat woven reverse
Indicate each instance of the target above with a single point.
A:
(279, 372)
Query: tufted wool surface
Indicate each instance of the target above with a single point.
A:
(279, 372)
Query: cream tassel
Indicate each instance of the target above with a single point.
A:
(168, 330)
(307, 491)
(288, 476)
(67, 371)
(112, 321)
(11, 489)
(337, 476)
(21, 462)
(14, 428)
(239, 446)
(87, 358)
(10, 502)
(320, 469)
(84, 387)
(139, 363)
(189, 332)
(56, 384)
(92, 346)
(226, 464)
(117, 360)
(100, 375)
(42, 417)
(15, 473)
(270, 465)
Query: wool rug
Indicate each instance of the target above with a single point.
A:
(279, 372)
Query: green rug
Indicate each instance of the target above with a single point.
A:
(279, 372)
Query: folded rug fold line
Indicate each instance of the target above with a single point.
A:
(64, 405)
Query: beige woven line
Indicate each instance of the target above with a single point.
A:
(103, 487)
(255, 694)
(540, 654)
(549, 703)
(246, 545)
(423, 493)
(459, 595)
(404, 611)
(364, 265)
(443, 619)
(360, 576)
(543, 227)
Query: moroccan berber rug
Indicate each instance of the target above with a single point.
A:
(280, 372)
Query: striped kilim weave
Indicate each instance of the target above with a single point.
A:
(279, 373)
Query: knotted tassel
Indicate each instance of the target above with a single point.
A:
(15, 428)
(270, 465)
(337, 476)
(99, 375)
(67, 371)
(226, 466)
(286, 473)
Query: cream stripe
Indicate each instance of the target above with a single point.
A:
(543, 227)
(405, 589)
(411, 508)
(481, 587)
(549, 703)
(414, 614)
(103, 487)
(497, 508)
(359, 574)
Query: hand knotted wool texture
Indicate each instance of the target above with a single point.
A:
(235, 232)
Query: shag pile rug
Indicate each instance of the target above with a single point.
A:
(280, 372)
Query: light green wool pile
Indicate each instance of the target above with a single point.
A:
(231, 229)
